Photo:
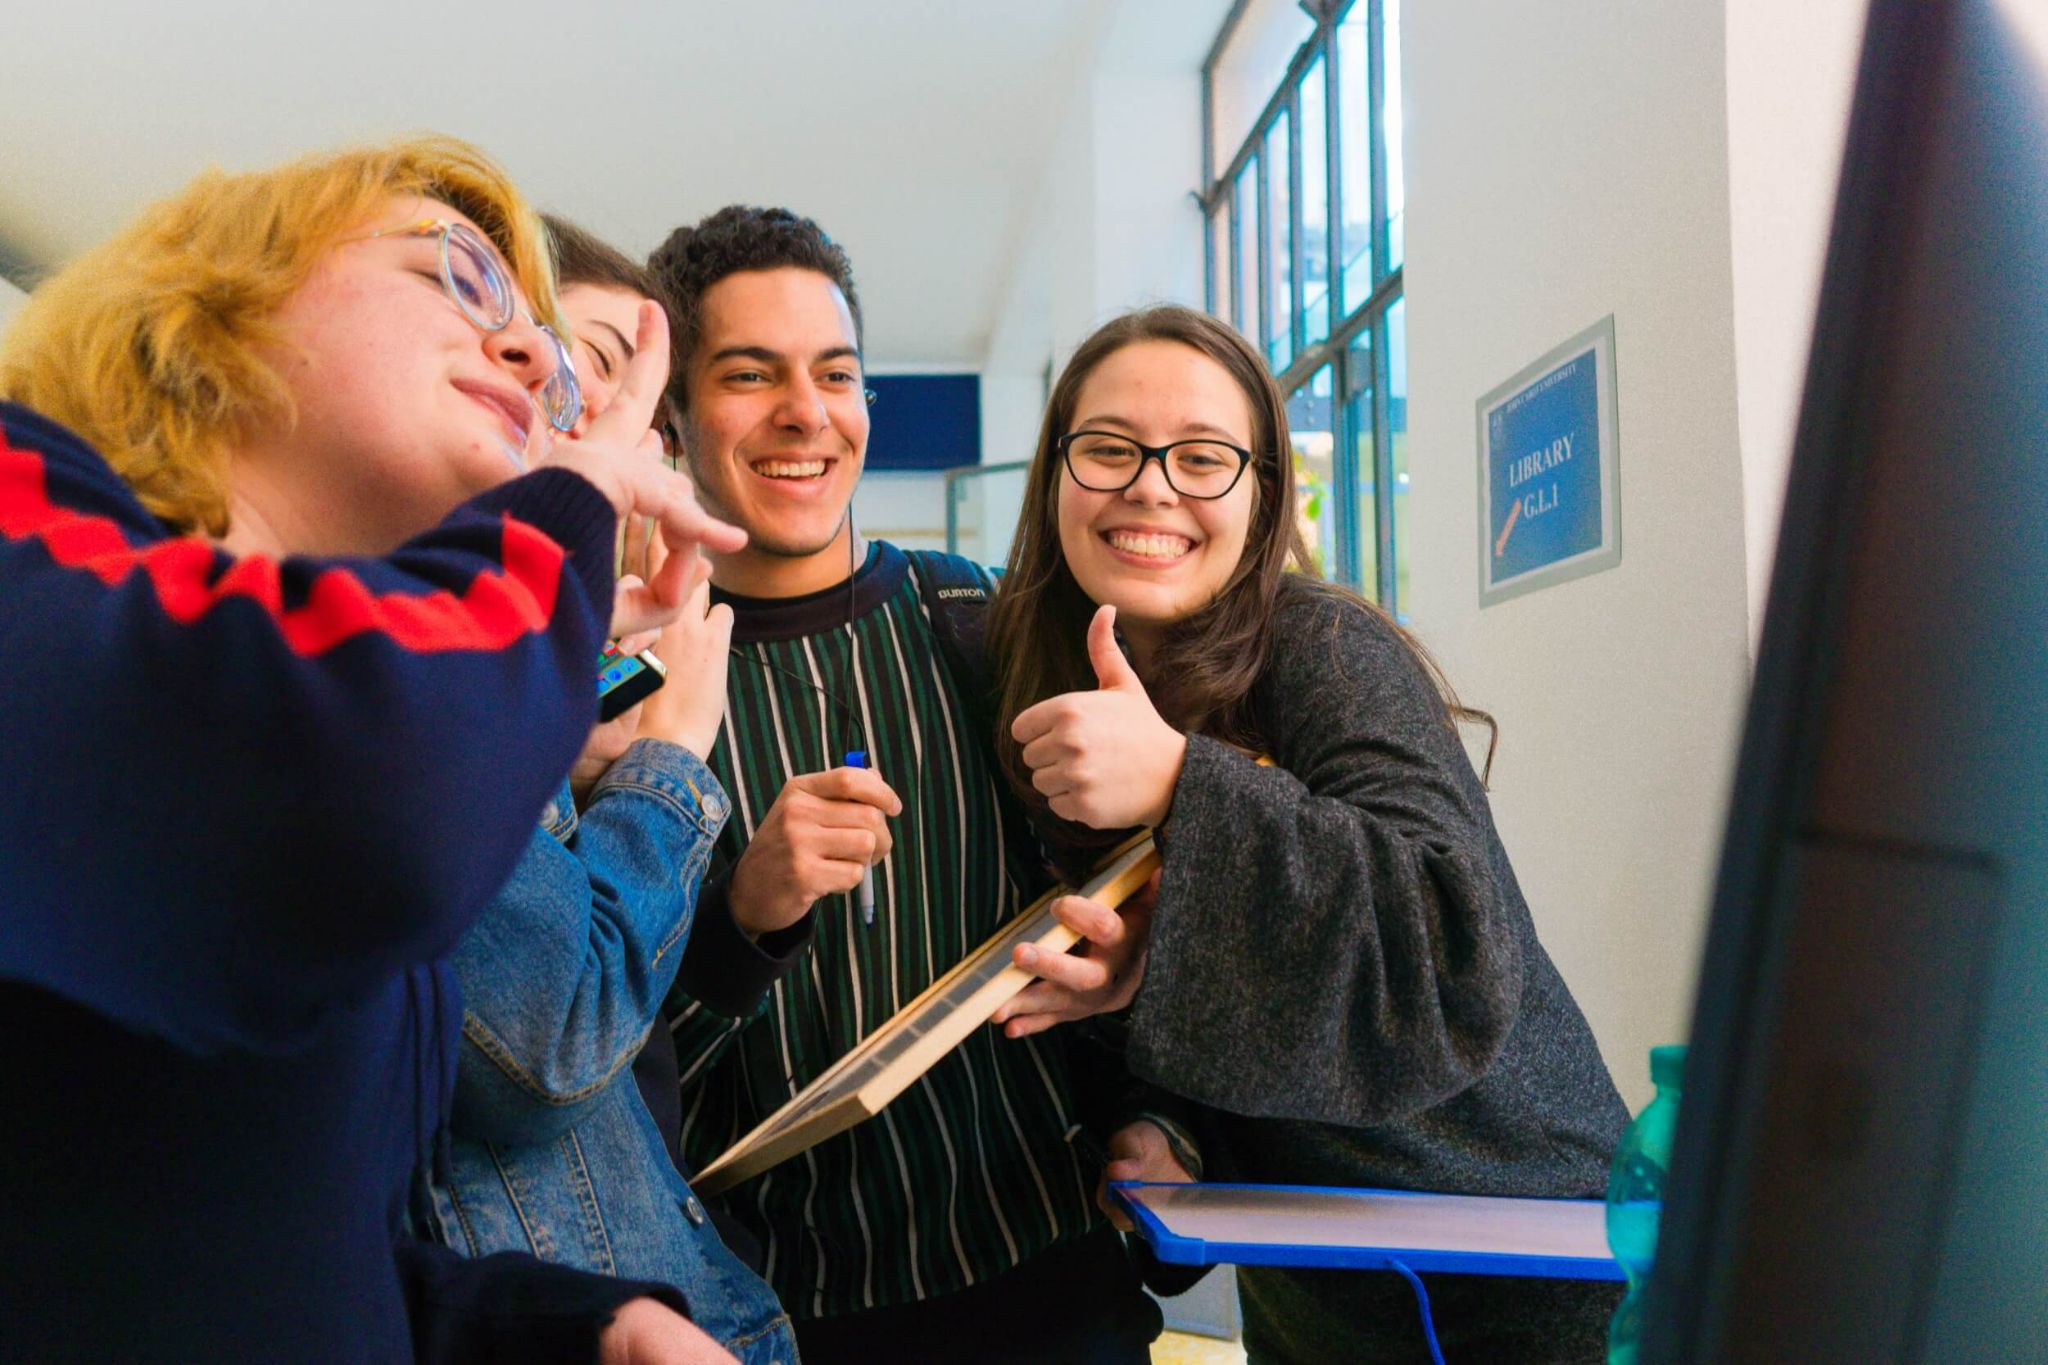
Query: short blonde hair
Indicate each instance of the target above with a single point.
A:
(158, 346)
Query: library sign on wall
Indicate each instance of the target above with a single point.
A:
(1549, 464)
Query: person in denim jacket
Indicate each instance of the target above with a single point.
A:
(552, 1150)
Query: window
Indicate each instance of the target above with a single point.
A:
(1245, 228)
(1304, 188)
(1279, 251)
(1219, 261)
(1390, 126)
(1362, 464)
(1354, 137)
(1396, 427)
(1315, 203)
(1313, 429)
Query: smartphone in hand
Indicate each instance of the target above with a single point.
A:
(624, 680)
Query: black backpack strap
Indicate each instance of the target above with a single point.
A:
(956, 593)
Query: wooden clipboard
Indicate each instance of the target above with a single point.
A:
(888, 1061)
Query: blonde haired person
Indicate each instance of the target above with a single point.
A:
(291, 653)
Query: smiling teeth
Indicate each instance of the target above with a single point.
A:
(790, 469)
(1150, 546)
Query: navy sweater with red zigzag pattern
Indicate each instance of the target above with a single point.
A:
(245, 806)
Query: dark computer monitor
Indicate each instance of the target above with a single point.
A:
(1861, 1164)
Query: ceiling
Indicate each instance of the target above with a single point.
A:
(916, 131)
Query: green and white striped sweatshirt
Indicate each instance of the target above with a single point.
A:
(969, 1172)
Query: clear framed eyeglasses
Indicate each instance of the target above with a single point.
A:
(476, 280)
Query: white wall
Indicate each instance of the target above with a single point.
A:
(1114, 225)
(1791, 69)
(1111, 225)
(1567, 161)
(11, 300)
(906, 507)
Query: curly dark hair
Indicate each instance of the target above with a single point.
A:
(738, 237)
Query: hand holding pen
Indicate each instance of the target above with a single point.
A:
(857, 758)
(821, 837)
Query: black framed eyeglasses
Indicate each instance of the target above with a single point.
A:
(1106, 462)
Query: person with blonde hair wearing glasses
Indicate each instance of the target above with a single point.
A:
(294, 648)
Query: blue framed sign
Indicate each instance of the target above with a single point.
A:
(1549, 470)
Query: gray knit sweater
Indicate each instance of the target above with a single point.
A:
(1345, 977)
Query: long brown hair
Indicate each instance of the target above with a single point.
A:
(582, 257)
(1206, 664)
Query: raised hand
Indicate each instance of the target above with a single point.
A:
(1105, 758)
(620, 454)
(607, 741)
(689, 706)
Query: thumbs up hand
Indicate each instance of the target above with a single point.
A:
(1105, 758)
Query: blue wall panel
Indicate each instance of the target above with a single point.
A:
(925, 421)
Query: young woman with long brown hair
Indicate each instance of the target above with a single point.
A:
(1338, 968)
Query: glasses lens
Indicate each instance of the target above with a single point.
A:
(561, 398)
(475, 278)
(1202, 469)
(1102, 462)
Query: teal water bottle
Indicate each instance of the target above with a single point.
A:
(1635, 1194)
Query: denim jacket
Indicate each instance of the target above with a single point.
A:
(552, 1149)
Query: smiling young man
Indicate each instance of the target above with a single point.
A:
(960, 1223)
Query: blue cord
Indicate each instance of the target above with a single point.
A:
(1436, 1352)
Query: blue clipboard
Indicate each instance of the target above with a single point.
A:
(1367, 1229)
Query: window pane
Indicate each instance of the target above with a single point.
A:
(1390, 124)
(1315, 207)
(1246, 275)
(1279, 252)
(1397, 439)
(1251, 67)
(1219, 262)
(1354, 149)
(1365, 478)
(1310, 424)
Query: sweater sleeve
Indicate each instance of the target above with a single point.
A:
(565, 972)
(725, 977)
(1338, 938)
(510, 1308)
(243, 790)
(729, 972)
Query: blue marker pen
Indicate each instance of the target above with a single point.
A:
(858, 758)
